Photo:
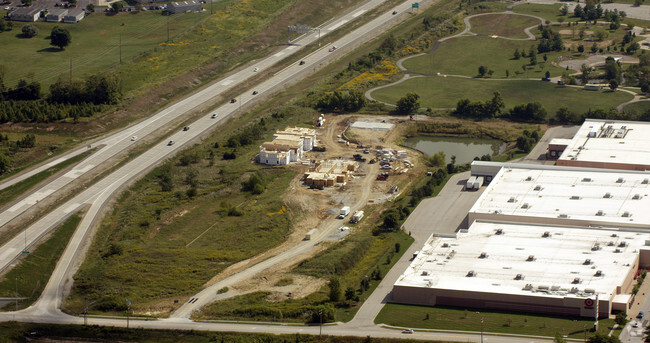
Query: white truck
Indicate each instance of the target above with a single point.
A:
(356, 217)
(345, 210)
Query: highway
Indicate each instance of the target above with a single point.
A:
(120, 142)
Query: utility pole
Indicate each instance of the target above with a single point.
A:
(128, 308)
(320, 328)
(319, 37)
(16, 294)
(85, 312)
(481, 330)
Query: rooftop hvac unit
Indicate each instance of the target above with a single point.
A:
(482, 255)
(512, 199)
(575, 197)
(623, 127)
(627, 214)
(576, 281)
(607, 195)
(546, 234)
(519, 277)
(471, 273)
(425, 273)
(617, 250)
(622, 244)
(530, 258)
(620, 180)
(614, 235)
(587, 262)
(563, 216)
(636, 197)
(499, 231)
(610, 244)
(528, 287)
(573, 290)
(537, 188)
(525, 206)
(445, 245)
(600, 213)
(644, 182)
(595, 247)
(530, 178)
(599, 273)
(586, 179)
(590, 290)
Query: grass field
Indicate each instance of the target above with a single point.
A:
(452, 318)
(34, 269)
(495, 54)
(443, 92)
(548, 12)
(503, 25)
(95, 44)
(637, 107)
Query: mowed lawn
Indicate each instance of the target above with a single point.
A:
(441, 92)
(637, 107)
(503, 25)
(464, 55)
(451, 318)
(95, 44)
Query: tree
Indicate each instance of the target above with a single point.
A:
(72, 3)
(581, 48)
(335, 289)
(482, 70)
(621, 318)
(27, 3)
(564, 10)
(532, 112)
(349, 293)
(409, 103)
(117, 6)
(558, 338)
(578, 12)
(584, 73)
(603, 338)
(594, 47)
(165, 179)
(60, 37)
(533, 55)
(5, 163)
(437, 160)
(548, 74)
(90, 8)
(29, 31)
(613, 85)
(3, 25)
(517, 54)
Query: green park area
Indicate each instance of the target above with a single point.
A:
(495, 54)
(444, 92)
(502, 25)
(453, 318)
(95, 44)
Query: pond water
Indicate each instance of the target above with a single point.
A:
(465, 149)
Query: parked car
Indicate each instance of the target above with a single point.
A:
(640, 315)
(547, 79)
(170, 143)
(635, 325)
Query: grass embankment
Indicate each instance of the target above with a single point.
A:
(34, 269)
(452, 318)
(443, 92)
(9, 194)
(25, 332)
(175, 240)
(502, 25)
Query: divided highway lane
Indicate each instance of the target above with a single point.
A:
(98, 194)
(120, 141)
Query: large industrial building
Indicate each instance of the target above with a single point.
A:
(566, 196)
(542, 239)
(608, 144)
(531, 268)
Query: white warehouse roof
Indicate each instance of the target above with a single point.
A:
(532, 260)
(579, 196)
(603, 141)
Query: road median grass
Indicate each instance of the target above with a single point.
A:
(33, 270)
(455, 318)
